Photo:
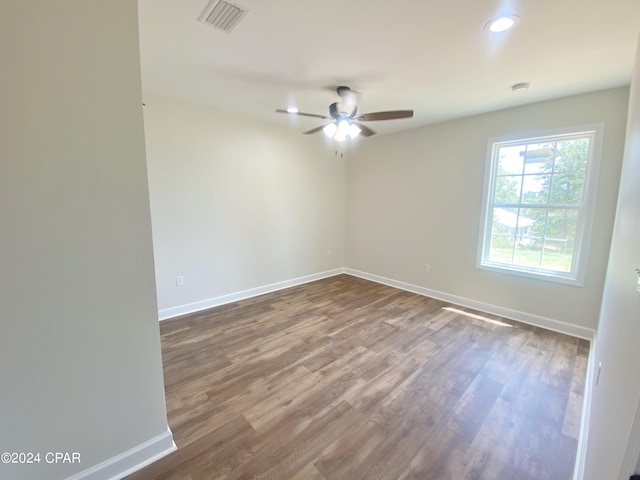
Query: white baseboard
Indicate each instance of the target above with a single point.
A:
(130, 461)
(536, 320)
(172, 312)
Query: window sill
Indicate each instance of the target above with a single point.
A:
(543, 276)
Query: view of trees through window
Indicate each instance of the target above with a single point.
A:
(537, 202)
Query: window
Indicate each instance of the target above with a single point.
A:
(537, 205)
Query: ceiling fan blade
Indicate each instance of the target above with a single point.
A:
(314, 130)
(392, 115)
(314, 115)
(364, 130)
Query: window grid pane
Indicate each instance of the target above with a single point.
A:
(536, 202)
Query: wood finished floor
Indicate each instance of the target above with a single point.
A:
(348, 379)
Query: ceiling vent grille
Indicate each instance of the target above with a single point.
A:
(223, 15)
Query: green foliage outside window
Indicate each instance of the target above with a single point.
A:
(537, 202)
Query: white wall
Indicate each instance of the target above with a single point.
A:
(237, 205)
(414, 198)
(80, 364)
(617, 396)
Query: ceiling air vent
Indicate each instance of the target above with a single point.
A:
(223, 15)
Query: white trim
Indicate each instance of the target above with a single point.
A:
(536, 320)
(172, 312)
(586, 211)
(581, 449)
(132, 460)
(512, 269)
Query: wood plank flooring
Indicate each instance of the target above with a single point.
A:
(345, 379)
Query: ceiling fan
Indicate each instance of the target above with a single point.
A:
(345, 121)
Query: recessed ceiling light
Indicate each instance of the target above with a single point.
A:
(520, 87)
(292, 110)
(502, 24)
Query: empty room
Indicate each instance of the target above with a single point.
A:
(342, 240)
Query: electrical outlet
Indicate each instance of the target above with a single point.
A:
(427, 268)
(179, 281)
(328, 253)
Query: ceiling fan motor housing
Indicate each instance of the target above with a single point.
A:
(337, 112)
(333, 110)
(342, 90)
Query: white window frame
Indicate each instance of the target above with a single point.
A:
(585, 217)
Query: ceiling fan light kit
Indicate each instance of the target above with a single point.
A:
(345, 122)
(343, 130)
(330, 130)
(354, 130)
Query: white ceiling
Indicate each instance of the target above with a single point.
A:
(432, 56)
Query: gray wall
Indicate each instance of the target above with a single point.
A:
(414, 198)
(80, 364)
(237, 204)
(614, 437)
